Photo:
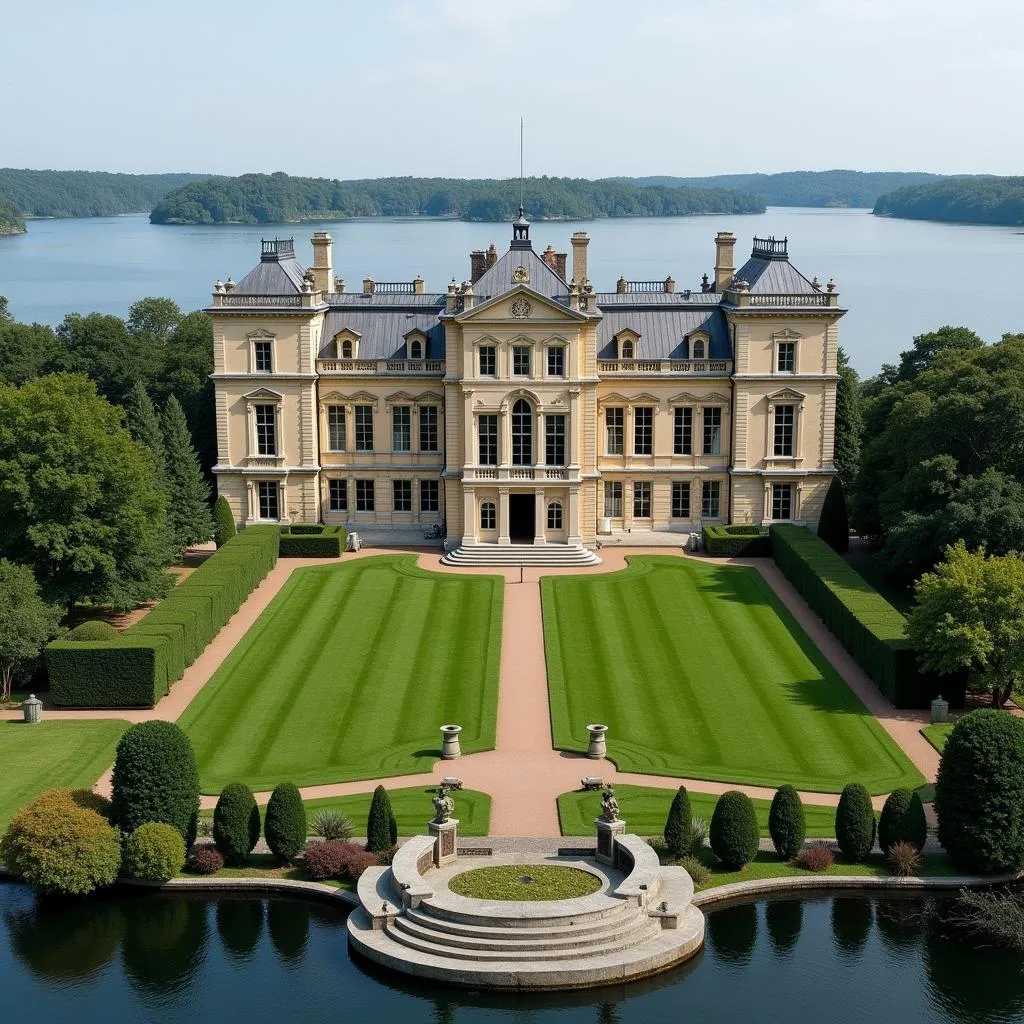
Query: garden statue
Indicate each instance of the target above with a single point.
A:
(444, 806)
(609, 805)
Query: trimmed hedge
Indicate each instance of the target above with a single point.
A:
(861, 619)
(92, 629)
(311, 540)
(137, 668)
(740, 541)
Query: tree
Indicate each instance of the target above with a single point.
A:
(144, 425)
(787, 822)
(833, 526)
(679, 825)
(153, 319)
(27, 622)
(734, 834)
(77, 497)
(970, 615)
(25, 349)
(927, 346)
(849, 421)
(223, 521)
(188, 494)
(236, 823)
(381, 826)
(285, 823)
(902, 821)
(855, 822)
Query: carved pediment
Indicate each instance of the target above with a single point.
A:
(415, 335)
(519, 303)
(428, 397)
(260, 334)
(715, 398)
(786, 395)
(613, 399)
(627, 334)
(263, 395)
(399, 398)
(684, 398)
(786, 335)
(347, 334)
(355, 398)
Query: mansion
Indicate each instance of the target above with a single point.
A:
(523, 406)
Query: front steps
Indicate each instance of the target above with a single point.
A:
(532, 555)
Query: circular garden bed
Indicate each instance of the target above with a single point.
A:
(525, 883)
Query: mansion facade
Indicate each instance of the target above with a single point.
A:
(523, 406)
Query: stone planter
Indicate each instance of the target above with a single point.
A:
(450, 741)
(596, 747)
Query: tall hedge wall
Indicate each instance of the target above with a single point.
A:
(311, 541)
(860, 618)
(737, 542)
(137, 668)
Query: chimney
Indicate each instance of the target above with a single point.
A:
(580, 241)
(725, 264)
(368, 286)
(492, 256)
(548, 256)
(452, 302)
(559, 264)
(477, 265)
(418, 285)
(467, 295)
(323, 276)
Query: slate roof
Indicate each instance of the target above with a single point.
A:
(542, 279)
(272, 277)
(644, 300)
(382, 331)
(663, 332)
(774, 277)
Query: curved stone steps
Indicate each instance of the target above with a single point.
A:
(576, 926)
(521, 554)
(559, 913)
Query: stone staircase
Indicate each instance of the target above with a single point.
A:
(533, 555)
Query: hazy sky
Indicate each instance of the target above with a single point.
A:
(436, 87)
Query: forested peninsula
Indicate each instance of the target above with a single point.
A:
(85, 193)
(11, 220)
(981, 200)
(278, 198)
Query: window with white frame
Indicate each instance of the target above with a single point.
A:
(337, 494)
(364, 428)
(626, 349)
(522, 433)
(430, 496)
(698, 348)
(263, 356)
(488, 516)
(710, 498)
(785, 420)
(643, 430)
(786, 357)
(554, 440)
(346, 349)
(680, 499)
(268, 498)
(554, 515)
(614, 428)
(487, 433)
(642, 499)
(520, 360)
(428, 428)
(364, 496)
(712, 430)
(401, 494)
(416, 349)
(336, 428)
(401, 428)
(266, 430)
(682, 432)
(613, 499)
(556, 361)
(488, 361)
(782, 501)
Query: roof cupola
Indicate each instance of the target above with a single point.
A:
(521, 231)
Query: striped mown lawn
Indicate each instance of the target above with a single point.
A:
(349, 674)
(699, 671)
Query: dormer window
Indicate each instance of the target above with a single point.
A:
(626, 350)
(628, 343)
(346, 344)
(698, 348)
(416, 349)
(346, 349)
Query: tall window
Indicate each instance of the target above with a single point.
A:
(642, 499)
(614, 419)
(785, 417)
(346, 350)
(264, 356)
(336, 428)
(613, 499)
(266, 430)
(401, 493)
(364, 428)
(338, 495)
(782, 501)
(487, 429)
(710, 495)
(698, 349)
(643, 430)
(554, 437)
(268, 493)
(429, 500)
(556, 361)
(712, 430)
(682, 434)
(364, 496)
(488, 361)
(520, 360)
(555, 515)
(787, 357)
(416, 350)
(626, 350)
(488, 516)
(401, 428)
(428, 428)
(680, 499)
(522, 433)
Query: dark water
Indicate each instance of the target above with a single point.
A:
(132, 958)
(898, 277)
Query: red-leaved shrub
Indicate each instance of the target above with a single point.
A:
(204, 860)
(815, 857)
(336, 858)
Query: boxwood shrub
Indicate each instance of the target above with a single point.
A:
(285, 823)
(855, 822)
(679, 825)
(136, 668)
(787, 822)
(92, 629)
(154, 851)
(236, 823)
(862, 620)
(734, 834)
(741, 540)
(902, 820)
(311, 540)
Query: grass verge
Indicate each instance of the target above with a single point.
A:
(525, 883)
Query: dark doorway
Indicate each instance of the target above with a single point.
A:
(521, 519)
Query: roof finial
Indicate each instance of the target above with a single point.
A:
(520, 167)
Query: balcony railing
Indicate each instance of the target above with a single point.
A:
(505, 473)
(633, 366)
(260, 300)
(799, 299)
(383, 367)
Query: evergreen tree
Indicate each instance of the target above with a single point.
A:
(188, 494)
(143, 424)
(849, 421)
(381, 826)
(223, 521)
(834, 526)
(679, 826)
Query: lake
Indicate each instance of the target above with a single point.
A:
(898, 277)
(131, 956)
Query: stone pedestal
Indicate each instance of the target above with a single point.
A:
(450, 747)
(940, 710)
(606, 833)
(446, 835)
(596, 748)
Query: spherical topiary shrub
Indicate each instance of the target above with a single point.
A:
(285, 823)
(855, 822)
(381, 826)
(734, 832)
(156, 779)
(679, 825)
(979, 793)
(154, 851)
(902, 820)
(59, 846)
(92, 629)
(787, 823)
(236, 823)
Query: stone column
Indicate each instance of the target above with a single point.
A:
(572, 427)
(539, 450)
(539, 516)
(573, 512)
(607, 831)
(503, 537)
(469, 516)
(446, 841)
(469, 454)
(282, 498)
(252, 510)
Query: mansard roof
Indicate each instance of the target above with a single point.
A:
(277, 273)
(663, 332)
(382, 331)
(540, 277)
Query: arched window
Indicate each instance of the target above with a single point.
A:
(488, 516)
(416, 350)
(346, 350)
(698, 349)
(626, 350)
(522, 433)
(555, 515)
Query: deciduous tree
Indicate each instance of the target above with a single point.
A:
(27, 622)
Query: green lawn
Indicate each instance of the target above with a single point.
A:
(645, 809)
(50, 755)
(937, 734)
(349, 674)
(699, 671)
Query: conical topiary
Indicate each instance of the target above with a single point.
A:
(679, 825)
(381, 826)
(855, 822)
(902, 820)
(223, 521)
(285, 823)
(236, 823)
(734, 834)
(787, 823)
(834, 524)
